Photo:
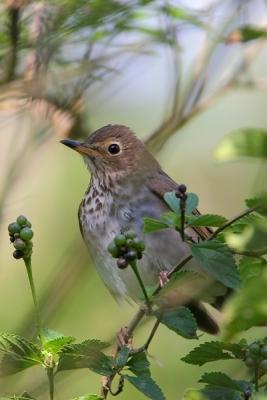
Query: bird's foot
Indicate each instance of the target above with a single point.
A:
(124, 339)
(163, 278)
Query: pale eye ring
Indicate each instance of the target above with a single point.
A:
(114, 149)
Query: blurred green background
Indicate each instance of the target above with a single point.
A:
(50, 181)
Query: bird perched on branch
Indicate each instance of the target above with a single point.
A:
(127, 184)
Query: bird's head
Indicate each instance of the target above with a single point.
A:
(113, 149)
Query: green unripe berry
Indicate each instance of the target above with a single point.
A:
(26, 233)
(131, 255)
(138, 244)
(120, 240)
(130, 234)
(249, 362)
(263, 365)
(19, 244)
(18, 254)
(264, 351)
(129, 242)
(122, 263)
(22, 221)
(113, 249)
(254, 349)
(13, 228)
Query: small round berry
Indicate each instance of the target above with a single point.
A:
(264, 351)
(12, 239)
(26, 233)
(19, 244)
(120, 240)
(254, 349)
(249, 362)
(123, 249)
(139, 255)
(263, 365)
(182, 188)
(113, 249)
(14, 228)
(131, 255)
(130, 234)
(22, 221)
(138, 244)
(129, 242)
(122, 263)
(28, 224)
(18, 254)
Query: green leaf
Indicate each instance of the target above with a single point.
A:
(246, 34)
(250, 142)
(181, 321)
(247, 308)
(259, 202)
(122, 357)
(172, 201)
(220, 379)
(206, 220)
(213, 351)
(19, 354)
(153, 225)
(147, 386)
(217, 260)
(219, 393)
(55, 341)
(86, 355)
(171, 219)
(250, 267)
(139, 364)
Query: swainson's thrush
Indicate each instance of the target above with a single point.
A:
(127, 184)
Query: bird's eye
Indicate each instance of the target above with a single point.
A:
(114, 148)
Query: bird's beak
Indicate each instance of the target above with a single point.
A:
(77, 146)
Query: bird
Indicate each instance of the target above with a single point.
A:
(127, 184)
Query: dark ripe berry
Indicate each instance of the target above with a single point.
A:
(249, 362)
(178, 195)
(130, 234)
(131, 255)
(19, 244)
(182, 188)
(26, 234)
(254, 349)
(18, 254)
(139, 255)
(22, 221)
(14, 228)
(124, 249)
(138, 244)
(122, 263)
(264, 351)
(12, 239)
(263, 365)
(113, 249)
(120, 240)
(16, 235)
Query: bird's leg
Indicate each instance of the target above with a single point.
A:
(163, 278)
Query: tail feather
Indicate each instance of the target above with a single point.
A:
(204, 320)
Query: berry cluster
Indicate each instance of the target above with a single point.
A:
(20, 235)
(126, 247)
(256, 356)
(181, 192)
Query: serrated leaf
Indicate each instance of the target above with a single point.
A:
(86, 355)
(19, 354)
(250, 267)
(147, 386)
(54, 346)
(250, 142)
(49, 334)
(216, 259)
(220, 379)
(247, 308)
(139, 364)
(206, 220)
(213, 351)
(153, 225)
(259, 202)
(181, 321)
(218, 393)
(122, 357)
(171, 219)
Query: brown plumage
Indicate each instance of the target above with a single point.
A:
(128, 184)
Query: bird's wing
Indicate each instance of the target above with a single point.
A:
(161, 183)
